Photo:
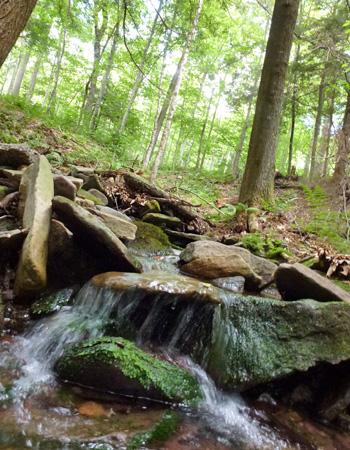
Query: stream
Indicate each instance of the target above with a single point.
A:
(39, 413)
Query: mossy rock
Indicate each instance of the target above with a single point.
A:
(162, 220)
(88, 196)
(4, 190)
(50, 303)
(150, 238)
(115, 365)
(158, 434)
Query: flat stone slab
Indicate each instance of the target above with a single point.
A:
(16, 155)
(296, 281)
(94, 234)
(123, 229)
(36, 195)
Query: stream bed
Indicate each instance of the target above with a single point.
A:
(37, 412)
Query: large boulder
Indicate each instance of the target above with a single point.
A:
(296, 281)
(150, 239)
(258, 340)
(36, 195)
(242, 341)
(123, 229)
(215, 260)
(90, 231)
(16, 155)
(117, 366)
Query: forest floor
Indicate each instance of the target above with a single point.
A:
(300, 222)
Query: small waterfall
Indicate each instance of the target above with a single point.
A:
(231, 419)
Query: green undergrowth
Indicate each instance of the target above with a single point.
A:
(326, 223)
(282, 202)
(265, 245)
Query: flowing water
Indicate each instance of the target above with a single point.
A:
(35, 412)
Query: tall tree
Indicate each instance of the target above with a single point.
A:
(258, 179)
(14, 15)
(343, 153)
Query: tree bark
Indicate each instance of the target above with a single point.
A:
(294, 112)
(33, 78)
(140, 74)
(14, 15)
(313, 152)
(174, 92)
(342, 158)
(258, 179)
(14, 74)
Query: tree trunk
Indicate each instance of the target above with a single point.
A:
(326, 139)
(33, 79)
(14, 74)
(14, 15)
(105, 82)
(176, 84)
(140, 74)
(317, 128)
(294, 112)
(258, 179)
(204, 127)
(342, 159)
(238, 153)
(20, 74)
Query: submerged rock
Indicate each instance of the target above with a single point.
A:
(36, 195)
(50, 303)
(89, 229)
(215, 260)
(233, 284)
(117, 366)
(296, 281)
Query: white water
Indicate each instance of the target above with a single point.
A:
(37, 351)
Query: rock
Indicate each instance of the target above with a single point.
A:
(113, 212)
(162, 220)
(93, 182)
(208, 253)
(31, 274)
(151, 206)
(233, 284)
(296, 281)
(16, 155)
(123, 229)
(11, 241)
(98, 194)
(84, 202)
(257, 341)
(4, 190)
(92, 198)
(50, 303)
(60, 239)
(91, 231)
(182, 239)
(150, 238)
(7, 223)
(115, 365)
(78, 182)
(271, 292)
(81, 170)
(64, 186)
(14, 176)
(156, 283)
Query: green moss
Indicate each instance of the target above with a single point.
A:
(158, 434)
(4, 191)
(265, 245)
(342, 284)
(88, 196)
(150, 237)
(173, 383)
(50, 303)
